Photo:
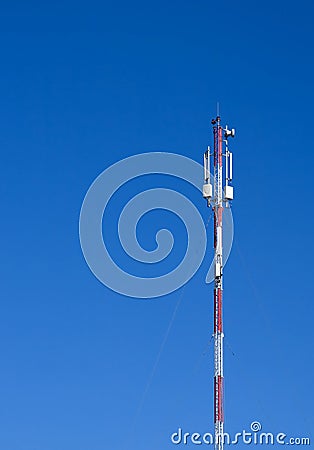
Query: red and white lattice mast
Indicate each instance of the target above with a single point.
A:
(220, 198)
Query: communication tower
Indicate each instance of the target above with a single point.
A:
(219, 197)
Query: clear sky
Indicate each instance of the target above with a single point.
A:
(83, 85)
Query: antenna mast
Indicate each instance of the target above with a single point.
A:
(220, 199)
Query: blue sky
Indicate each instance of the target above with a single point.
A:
(83, 85)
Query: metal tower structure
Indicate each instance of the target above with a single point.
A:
(219, 198)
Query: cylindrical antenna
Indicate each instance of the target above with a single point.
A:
(207, 187)
(207, 165)
(230, 166)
